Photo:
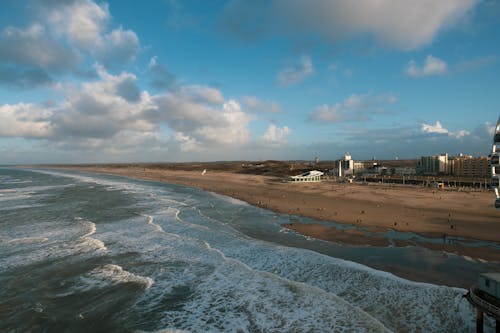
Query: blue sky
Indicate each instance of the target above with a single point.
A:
(116, 81)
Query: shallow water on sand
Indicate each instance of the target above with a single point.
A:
(82, 252)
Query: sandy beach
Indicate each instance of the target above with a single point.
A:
(438, 214)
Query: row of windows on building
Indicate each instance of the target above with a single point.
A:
(461, 165)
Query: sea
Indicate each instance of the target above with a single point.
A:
(82, 252)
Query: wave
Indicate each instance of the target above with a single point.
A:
(90, 242)
(228, 199)
(21, 207)
(103, 277)
(16, 196)
(91, 228)
(112, 274)
(398, 303)
(150, 220)
(28, 240)
(235, 297)
(232, 282)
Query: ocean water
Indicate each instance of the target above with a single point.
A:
(82, 252)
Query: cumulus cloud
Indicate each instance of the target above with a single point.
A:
(62, 35)
(296, 72)
(84, 24)
(103, 108)
(355, 107)
(15, 77)
(197, 120)
(255, 104)
(162, 78)
(81, 22)
(118, 46)
(29, 57)
(25, 120)
(398, 24)
(276, 135)
(33, 46)
(437, 128)
(113, 113)
(431, 66)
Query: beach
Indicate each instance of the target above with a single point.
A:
(87, 251)
(374, 209)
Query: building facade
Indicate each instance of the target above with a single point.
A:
(471, 167)
(434, 165)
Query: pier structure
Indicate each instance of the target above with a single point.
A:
(484, 304)
(485, 297)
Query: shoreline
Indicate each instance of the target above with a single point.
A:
(369, 208)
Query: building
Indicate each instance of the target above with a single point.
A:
(344, 166)
(471, 167)
(307, 177)
(495, 164)
(434, 165)
(403, 171)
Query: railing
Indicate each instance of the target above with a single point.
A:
(485, 305)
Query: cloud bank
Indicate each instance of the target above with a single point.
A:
(397, 24)
(354, 108)
(296, 73)
(431, 66)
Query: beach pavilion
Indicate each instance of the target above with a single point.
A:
(307, 177)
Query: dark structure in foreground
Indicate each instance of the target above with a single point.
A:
(486, 299)
(486, 295)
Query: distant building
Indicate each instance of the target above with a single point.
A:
(433, 165)
(473, 167)
(344, 166)
(359, 167)
(404, 171)
(308, 177)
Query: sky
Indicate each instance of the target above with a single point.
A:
(165, 80)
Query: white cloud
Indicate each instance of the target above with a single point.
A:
(257, 105)
(162, 78)
(117, 46)
(84, 24)
(25, 120)
(431, 66)
(355, 107)
(231, 126)
(329, 113)
(186, 142)
(102, 109)
(297, 72)
(403, 24)
(202, 94)
(81, 22)
(111, 112)
(61, 37)
(30, 57)
(437, 128)
(34, 47)
(460, 134)
(276, 135)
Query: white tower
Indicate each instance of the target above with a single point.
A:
(495, 164)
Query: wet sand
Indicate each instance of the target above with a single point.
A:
(439, 214)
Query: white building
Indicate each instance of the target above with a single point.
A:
(434, 165)
(307, 177)
(344, 166)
